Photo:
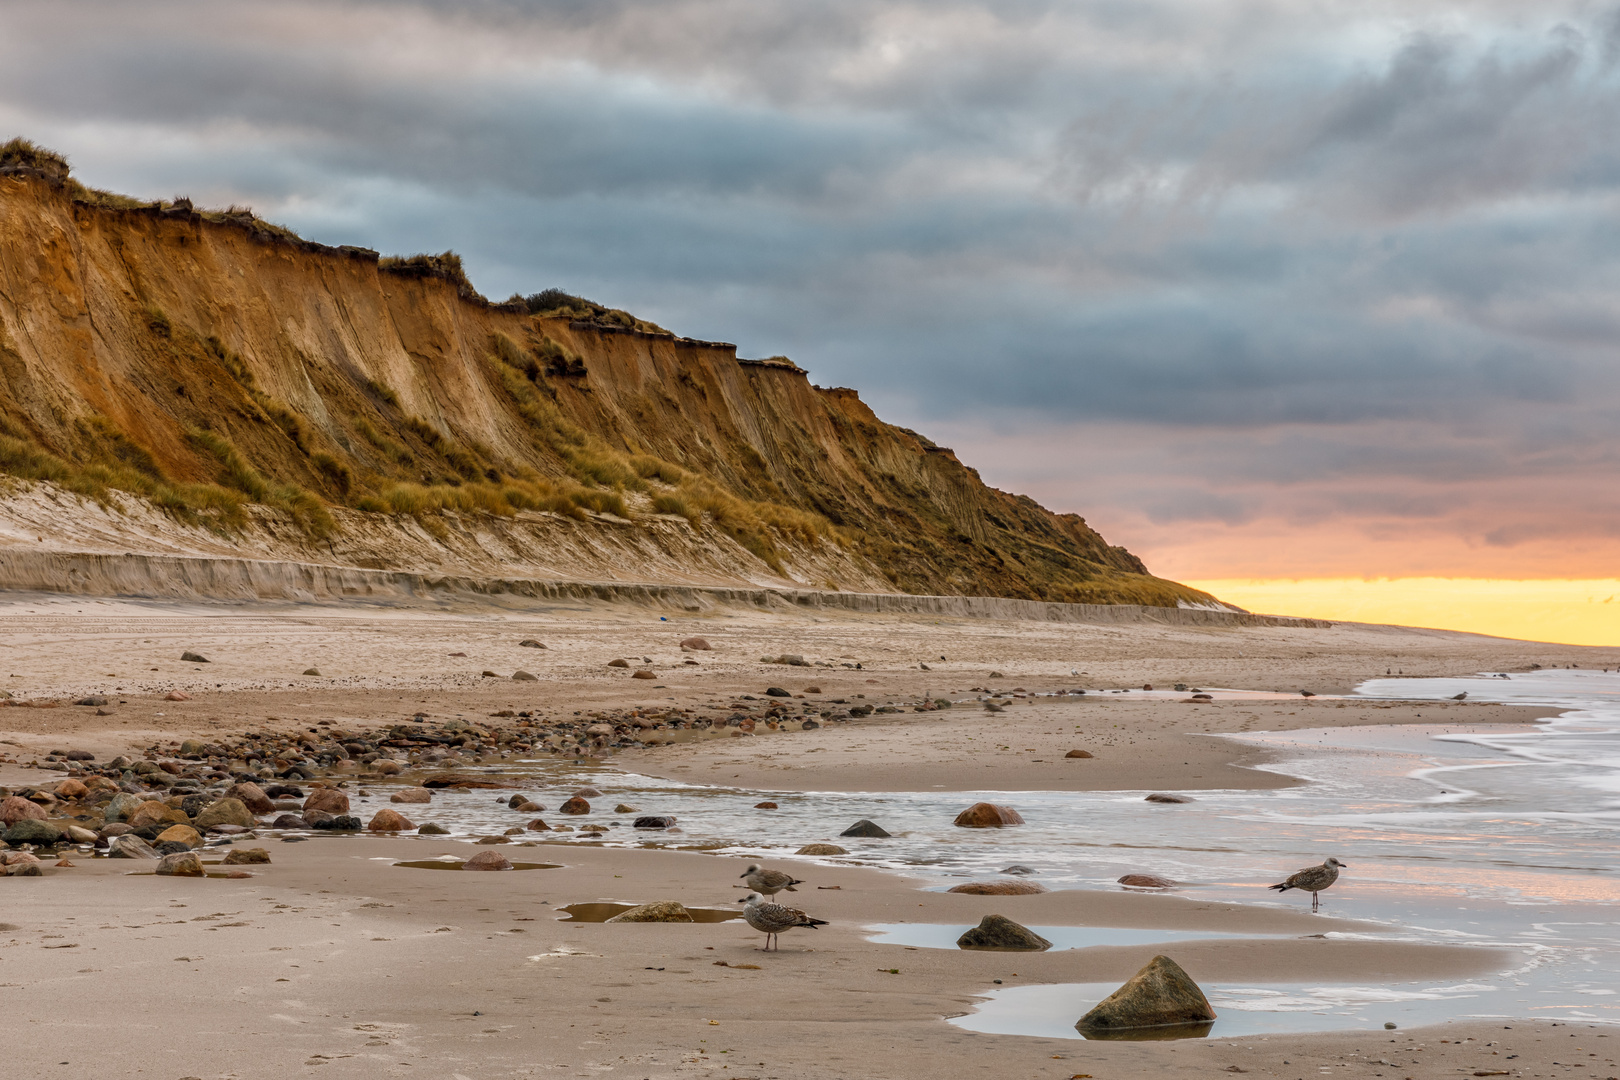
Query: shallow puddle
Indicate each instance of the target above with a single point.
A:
(602, 912)
(455, 864)
(943, 936)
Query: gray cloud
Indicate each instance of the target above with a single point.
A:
(1346, 251)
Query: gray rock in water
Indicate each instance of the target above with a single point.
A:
(289, 821)
(776, 691)
(821, 849)
(432, 829)
(656, 821)
(194, 658)
(1000, 932)
(1018, 868)
(1160, 995)
(1160, 797)
(657, 911)
(130, 846)
(864, 827)
(32, 831)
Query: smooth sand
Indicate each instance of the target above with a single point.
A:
(402, 972)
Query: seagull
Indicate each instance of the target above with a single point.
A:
(771, 919)
(991, 706)
(1459, 697)
(1313, 879)
(769, 882)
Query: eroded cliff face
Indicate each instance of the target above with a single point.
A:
(161, 344)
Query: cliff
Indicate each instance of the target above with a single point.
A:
(207, 383)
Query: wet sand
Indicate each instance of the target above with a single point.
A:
(402, 972)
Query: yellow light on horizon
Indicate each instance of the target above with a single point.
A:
(1582, 611)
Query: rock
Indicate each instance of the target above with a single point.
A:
(181, 834)
(656, 821)
(618, 663)
(411, 795)
(193, 658)
(1148, 881)
(776, 691)
(81, 755)
(385, 767)
(64, 863)
(1000, 888)
(243, 856)
(79, 835)
(432, 829)
(812, 689)
(1017, 868)
(130, 846)
(864, 828)
(575, 805)
(1159, 995)
(70, 789)
(625, 808)
(537, 826)
(314, 819)
(169, 847)
(26, 869)
(988, 816)
(15, 808)
(821, 849)
(450, 779)
(229, 830)
(491, 675)
(1147, 686)
(33, 831)
(289, 821)
(529, 808)
(389, 821)
(530, 643)
(1000, 932)
(329, 800)
(657, 911)
(588, 793)
(491, 840)
(95, 700)
(153, 812)
(488, 860)
(695, 644)
(229, 812)
(181, 864)
(177, 695)
(117, 828)
(765, 806)
(600, 731)
(340, 823)
(1160, 797)
(312, 671)
(524, 676)
(123, 804)
(643, 674)
(1079, 754)
(250, 795)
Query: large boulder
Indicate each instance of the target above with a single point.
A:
(983, 815)
(655, 821)
(15, 808)
(1000, 932)
(130, 846)
(389, 821)
(181, 864)
(327, 800)
(411, 795)
(289, 821)
(70, 789)
(181, 834)
(252, 796)
(864, 827)
(1000, 888)
(225, 812)
(1160, 995)
(33, 831)
(575, 805)
(657, 911)
(488, 860)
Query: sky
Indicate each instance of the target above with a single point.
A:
(1303, 291)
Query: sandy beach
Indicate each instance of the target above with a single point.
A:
(333, 961)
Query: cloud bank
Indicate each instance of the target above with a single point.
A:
(1259, 288)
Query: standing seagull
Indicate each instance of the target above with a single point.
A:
(1313, 879)
(768, 882)
(772, 919)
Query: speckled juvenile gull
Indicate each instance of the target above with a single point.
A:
(1313, 879)
(771, 919)
(769, 882)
